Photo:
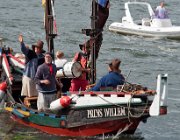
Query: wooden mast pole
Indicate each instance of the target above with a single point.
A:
(99, 16)
(49, 26)
(93, 50)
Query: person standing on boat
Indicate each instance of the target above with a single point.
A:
(112, 79)
(82, 57)
(46, 83)
(32, 59)
(161, 12)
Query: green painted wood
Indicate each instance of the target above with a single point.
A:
(45, 120)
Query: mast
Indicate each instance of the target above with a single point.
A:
(93, 48)
(99, 16)
(49, 25)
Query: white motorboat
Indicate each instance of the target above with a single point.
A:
(149, 26)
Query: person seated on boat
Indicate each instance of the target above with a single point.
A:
(46, 83)
(112, 79)
(20, 57)
(161, 12)
(32, 60)
(81, 57)
(60, 61)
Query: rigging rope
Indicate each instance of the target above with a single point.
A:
(120, 131)
(129, 109)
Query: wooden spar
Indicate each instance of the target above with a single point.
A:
(49, 28)
(54, 16)
(99, 17)
(93, 50)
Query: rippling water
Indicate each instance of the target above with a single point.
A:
(145, 57)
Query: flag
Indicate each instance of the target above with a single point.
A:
(103, 3)
(44, 3)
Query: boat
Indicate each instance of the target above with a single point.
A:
(147, 26)
(81, 113)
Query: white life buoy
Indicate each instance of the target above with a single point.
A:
(60, 103)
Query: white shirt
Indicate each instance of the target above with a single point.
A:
(60, 62)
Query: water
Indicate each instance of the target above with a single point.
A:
(145, 57)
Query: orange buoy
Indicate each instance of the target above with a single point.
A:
(65, 101)
(3, 87)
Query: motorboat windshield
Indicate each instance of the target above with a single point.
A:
(136, 11)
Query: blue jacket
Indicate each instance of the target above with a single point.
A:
(32, 61)
(112, 79)
(43, 73)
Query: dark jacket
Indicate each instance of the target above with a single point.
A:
(112, 79)
(43, 73)
(32, 61)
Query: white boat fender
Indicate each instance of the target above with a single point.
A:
(3, 87)
(60, 103)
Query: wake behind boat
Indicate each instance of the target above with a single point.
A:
(81, 113)
(148, 26)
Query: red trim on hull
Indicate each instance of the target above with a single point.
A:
(138, 93)
(87, 130)
(16, 59)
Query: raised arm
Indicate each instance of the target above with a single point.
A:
(24, 50)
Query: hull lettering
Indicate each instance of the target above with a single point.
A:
(106, 112)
